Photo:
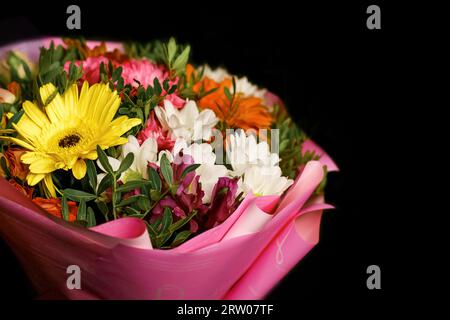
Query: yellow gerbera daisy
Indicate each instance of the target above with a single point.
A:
(69, 130)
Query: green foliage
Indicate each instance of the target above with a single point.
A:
(165, 233)
(51, 70)
(136, 102)
(172, 55)
(291, 139)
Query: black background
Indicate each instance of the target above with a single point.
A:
(335, 76)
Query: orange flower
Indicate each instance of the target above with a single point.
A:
(25, 190)
(14, 88)
(244, 113)
(54, 207)
(16, 167)
(96, 51)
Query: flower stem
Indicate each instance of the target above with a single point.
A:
(156, 202)
(114, 196)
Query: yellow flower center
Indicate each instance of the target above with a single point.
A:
(70, 140)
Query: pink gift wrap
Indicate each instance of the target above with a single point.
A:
(243, 258)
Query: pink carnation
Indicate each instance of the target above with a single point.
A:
(142, 70)
(91, 68)
(145, 72)
(153, 129)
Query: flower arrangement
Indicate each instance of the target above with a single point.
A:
(99, 137)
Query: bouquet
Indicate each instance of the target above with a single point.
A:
(155, 177)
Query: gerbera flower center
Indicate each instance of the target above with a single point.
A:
(69, 141)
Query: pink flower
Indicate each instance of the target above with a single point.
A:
(153, 129)
(145, 72)
(91, 68)
(223, 202)
(142, 70)
(188, 196)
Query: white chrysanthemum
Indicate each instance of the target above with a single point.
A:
(187, 123)
(209, 172)
(143, 155)
(256, 166)
(249, 89)
(244, 151)
(263, 181)
(243, 86)
(218, 74)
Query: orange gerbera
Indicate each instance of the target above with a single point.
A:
(16, 167)
(243, 112)
(54, 207)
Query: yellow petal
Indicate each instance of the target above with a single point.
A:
(43, 165)
(35, 114)
(79, 169)
(29, 157)
(21, 143)
(49, 186)
(83, 102)
(28, 128)
(71, 98)
(122, 124)
(46, 91)
(55, 109)
(33, 179)
(91, 155)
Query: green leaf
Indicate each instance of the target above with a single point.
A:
(166, 85)
(16, 117)
(190, 168)
(4, 167)
(154, 178)
(130, 200)
(283, 145)
(228, 94)
(91, 222)
(125, 164)
(65, 208)
(144, 204)
(103, 209)
(151, 230)
(104, 160)
(167, 219)
(131, 185)
(172, 89)
(180, 238)
(157, 87)
(50, 98)
(166, 169)
(92, 174)
(180, 223)
(78, 196)
(132, 212)
(81, 214)
(105, 183)
(116, 74)
(171, 50)
(181, 61)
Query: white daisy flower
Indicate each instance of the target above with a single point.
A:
(187, 123)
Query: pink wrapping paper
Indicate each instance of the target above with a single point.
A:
(235, 260)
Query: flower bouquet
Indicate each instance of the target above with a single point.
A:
(156, 178)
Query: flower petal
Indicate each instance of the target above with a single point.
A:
(79, 169)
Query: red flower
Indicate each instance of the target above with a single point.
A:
(54, 207)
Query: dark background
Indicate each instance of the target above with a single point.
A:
(335, 76)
